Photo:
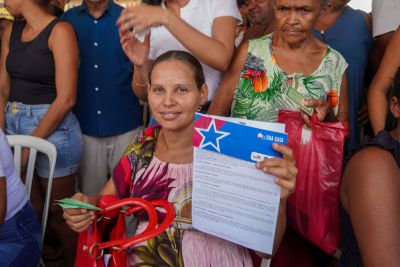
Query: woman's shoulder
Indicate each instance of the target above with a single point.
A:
(367, 169)
(335, 55)
(375, 154)
(261, 45)
(62, 27)
(144, 142)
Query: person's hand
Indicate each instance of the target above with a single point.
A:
(284, 169)
(136, 19)
(136, 51)
(321, 108)
(79, 219)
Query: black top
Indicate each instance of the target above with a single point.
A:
(351, 256)
(31, 67)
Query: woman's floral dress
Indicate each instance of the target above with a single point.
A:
(141, 174)
(263, 87)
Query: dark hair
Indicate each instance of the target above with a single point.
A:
(152, 2)
(391, 121)
(43, 3)
(395, 90)
(323, 3)
(240, 3)
(55, 10)
(185, 57)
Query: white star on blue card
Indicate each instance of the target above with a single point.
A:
(211, 136)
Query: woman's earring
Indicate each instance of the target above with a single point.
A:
(199, 109)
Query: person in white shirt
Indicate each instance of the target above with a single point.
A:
(205, 28)
(386, 19)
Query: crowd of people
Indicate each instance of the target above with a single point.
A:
(77, 78)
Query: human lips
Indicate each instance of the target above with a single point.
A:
(292, 31)
(169, 115)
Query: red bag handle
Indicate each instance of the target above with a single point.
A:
(169, 218)
(152, 230)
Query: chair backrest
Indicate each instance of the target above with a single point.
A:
(35, 145)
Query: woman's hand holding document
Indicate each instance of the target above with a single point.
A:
(233, 197)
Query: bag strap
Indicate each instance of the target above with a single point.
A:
(168, 220)
(152, 230)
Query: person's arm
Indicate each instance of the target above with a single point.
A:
(377, 101)
(215, 51)
(79, 219)
(64, 46)
(371, 186)
(3, 199)
(343, 111)
(222, 101)
(4, 78)
(285, 171)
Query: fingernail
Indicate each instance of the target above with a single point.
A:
(265, 169)
(258, 165)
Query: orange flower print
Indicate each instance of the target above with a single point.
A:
(273, 59)
(258, 78)
(333, 98)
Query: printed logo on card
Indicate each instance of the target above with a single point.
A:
(258, 156)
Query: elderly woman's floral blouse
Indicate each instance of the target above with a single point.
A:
(263, 87)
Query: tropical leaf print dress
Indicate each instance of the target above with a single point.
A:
(262, 89)
(141, 174)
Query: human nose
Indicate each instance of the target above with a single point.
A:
(292, 17)
(169, 99)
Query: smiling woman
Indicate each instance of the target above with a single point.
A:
(162, 157)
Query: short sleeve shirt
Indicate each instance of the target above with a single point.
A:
(263, 86)
(385, 15)
(106, 105)
(199, 14)
(16, 193)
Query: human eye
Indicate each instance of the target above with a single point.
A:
(281, 9)
(157, 90)
(181, 90)
(305, 10)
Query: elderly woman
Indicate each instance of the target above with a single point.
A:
(267, 72)
(164, 155)
(288, 69)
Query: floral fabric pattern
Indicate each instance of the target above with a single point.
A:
(262, 89)
(141, 174)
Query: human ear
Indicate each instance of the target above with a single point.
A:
(395, 107)
(203, 94)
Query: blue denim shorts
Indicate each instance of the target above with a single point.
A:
(20, 239)
(24, 119)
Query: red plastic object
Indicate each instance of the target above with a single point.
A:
(313, 209)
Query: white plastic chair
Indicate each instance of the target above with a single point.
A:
(35, 145)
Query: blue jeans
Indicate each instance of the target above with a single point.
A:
(24, 119)
(20, 239)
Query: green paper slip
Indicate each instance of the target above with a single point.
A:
(69, 203)
(298, 99)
